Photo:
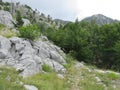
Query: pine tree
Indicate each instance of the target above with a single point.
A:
(19, 19)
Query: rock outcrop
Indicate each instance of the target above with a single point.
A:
(29, 56)
(26, 22)
(6, 19)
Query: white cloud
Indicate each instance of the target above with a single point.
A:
(71, 9)
(107, 7)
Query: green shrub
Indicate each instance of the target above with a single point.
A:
(113, 76)
(2, 26)
(6, 8)
(30, 32)
(0, 8)
(46, 68)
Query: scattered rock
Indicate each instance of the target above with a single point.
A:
(30, 87)
(106, 72)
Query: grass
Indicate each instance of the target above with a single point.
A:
(7, 33)
(2, 26)
(46, 68)
(9, 79)
(81, 78)
(47, 81)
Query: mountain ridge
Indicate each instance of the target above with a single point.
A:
(100, 19)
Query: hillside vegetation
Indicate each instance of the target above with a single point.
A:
(88, 42)
(92, 52)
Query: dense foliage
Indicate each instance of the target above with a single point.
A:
(30, 32)
(99, 45)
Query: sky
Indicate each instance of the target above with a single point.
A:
(72, 9)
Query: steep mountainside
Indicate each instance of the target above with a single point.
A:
(100, 19)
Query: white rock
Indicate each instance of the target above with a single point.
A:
(99, 71)
(60, 76)
(26, 22)
(28, 56)
(30, 87)
(98, 79)
(3, 53)
(6, 19)
(80, 65)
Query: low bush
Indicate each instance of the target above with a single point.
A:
(46, 68)
(30, 32)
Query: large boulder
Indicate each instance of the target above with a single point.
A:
(28, 56)
(6, 19)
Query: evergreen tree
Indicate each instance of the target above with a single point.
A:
(19, 19)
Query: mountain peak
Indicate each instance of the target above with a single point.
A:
(100, 19)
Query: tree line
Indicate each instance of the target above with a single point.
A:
(89, 42)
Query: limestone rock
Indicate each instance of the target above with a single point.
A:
(30, 87)
(6, 19)
(26, 22)
(28, 56)
(60, 76)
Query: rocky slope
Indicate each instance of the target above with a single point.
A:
(28, 56)
(84, 77)
(34, 16)
(99, 19)
(6, 19)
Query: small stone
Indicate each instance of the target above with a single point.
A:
(60, 76)
(21, 83)
(97, 79)
(30, 87)
(114, 86)
(8, 78)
